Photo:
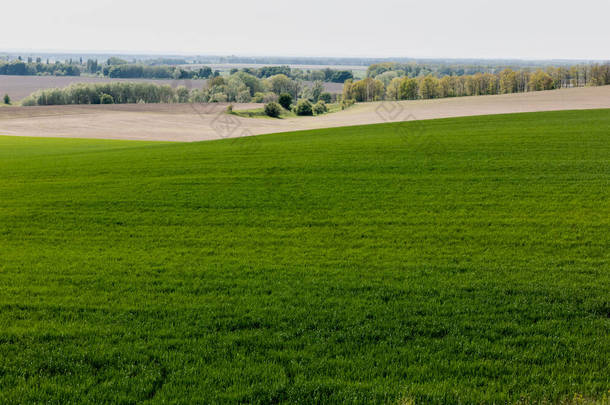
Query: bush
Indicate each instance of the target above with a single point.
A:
(285, 100)
(273, 109)
(326, 97)
(320, 108)
(7, 99)
(106, 99)
(258, 97)
(304, 107)
(347, 103)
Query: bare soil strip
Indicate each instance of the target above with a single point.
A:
(197, 122)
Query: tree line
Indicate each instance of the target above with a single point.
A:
(21, 68)
(239, 87)
(161, 68)
(397, 85)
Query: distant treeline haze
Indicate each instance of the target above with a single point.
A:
(119, 68)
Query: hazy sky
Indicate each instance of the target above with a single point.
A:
(533, 29)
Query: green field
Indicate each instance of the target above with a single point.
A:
(446, 261)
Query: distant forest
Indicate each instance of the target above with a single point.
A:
(179, 68)
(158, 69)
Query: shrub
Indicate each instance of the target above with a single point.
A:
(273, 109)
(320, 108)
(229, 109)
(7, 99)
(304, 107)
(326, 97)
(258, 97)
(106, 99)
(285, 100)
(347, 103)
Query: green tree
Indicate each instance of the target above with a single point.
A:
(316, 90)
(508, 81)
(281, 84)
(408, 89)
(304, 107)
(368, 89)
(393, 89)
(116, 61)
(320, 107)
(428, 87)
(326, 97)
(182, 94)
(540, 80)
(106, 99)
(273, 109)
(7, 99)
(285, 100)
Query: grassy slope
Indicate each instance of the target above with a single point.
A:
(448, 260)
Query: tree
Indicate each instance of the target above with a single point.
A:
(393, 89)
(326, 97)
(540, 80)
(508, 81)
(273, 109)
(428, 87)
(182, 94)
(205, 72)
(116, 61)
(7, 99)
(280, 84)
(348, 86)
(320, 108)
(316, 90)
(254, 84)
(285, 100)
(408, 89)
(341, 76)
(106, 99)
(304, 107)
(236, 89)
(368, 89)
(387, 77)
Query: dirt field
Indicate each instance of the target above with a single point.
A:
(185, 122)
(19, 87)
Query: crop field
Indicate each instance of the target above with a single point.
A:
(460, 260)
(197, 122)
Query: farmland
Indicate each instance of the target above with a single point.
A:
(460, 260)
(195, 122)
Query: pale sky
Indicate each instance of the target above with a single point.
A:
(530, 29)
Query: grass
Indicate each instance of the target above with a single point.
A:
(447, 261)
(260, 112)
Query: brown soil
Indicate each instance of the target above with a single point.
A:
(185, 122)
